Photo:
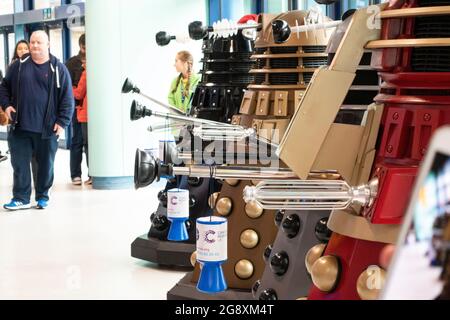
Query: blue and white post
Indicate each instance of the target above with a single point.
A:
(178, 214)
(212, 252)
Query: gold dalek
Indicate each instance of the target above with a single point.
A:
(282, 74)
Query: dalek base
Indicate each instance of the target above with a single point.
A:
(165, 253)
(185, 289)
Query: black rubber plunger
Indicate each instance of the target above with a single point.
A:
(139, 111)
(147, 169)
(197, 31)
(281, 31)
(128, 87)
(163, 39)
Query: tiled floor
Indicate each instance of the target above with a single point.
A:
(80, 247)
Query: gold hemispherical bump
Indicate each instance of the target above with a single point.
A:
(253, 210)
(325, 273)
(232, 182)
(194, 258)
(244, 269)
(370, 283)
(249, 239)
(224, 206)
(313, 255)
(213, 199)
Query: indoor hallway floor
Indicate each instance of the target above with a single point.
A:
(79, 248)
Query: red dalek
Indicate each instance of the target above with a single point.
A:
(416, 98)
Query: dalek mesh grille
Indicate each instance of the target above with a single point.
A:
(431, 59)
(241, 55)
(425, 92)
(242, 79)
(260, 50)
(281, 50)
(260, 79)
(283, 79)
(216, 66)
(307, 76)
(241, 66)
(260, 63)
(314, 49)
(288, 63)
(432, 27)
(431, 3)
(314, 62)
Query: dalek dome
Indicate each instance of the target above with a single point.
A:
(294, 18)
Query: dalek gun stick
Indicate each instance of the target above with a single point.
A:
(222, 132)
(139, 111)
(205, 129)
(148, 169)
(310, 194)
(128, 87)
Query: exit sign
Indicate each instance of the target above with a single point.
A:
(48, 14)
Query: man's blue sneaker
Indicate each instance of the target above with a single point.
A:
(42, 204)
(17, 205)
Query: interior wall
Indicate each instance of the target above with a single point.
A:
(137, 56)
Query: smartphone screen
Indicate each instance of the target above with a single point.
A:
(421, 268)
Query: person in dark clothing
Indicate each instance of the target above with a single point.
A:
(75, 67)
(36, 95)
(22, 48)
(3, 121)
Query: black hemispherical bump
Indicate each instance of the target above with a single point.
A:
(323, 234)
(188, 224)
(291, 226)
(255, 288)
(267, 252)
(194, 181)
(279, 263)
(160, 223)
(268, 295)
(162, 197)
(192, 202)
(279, 217)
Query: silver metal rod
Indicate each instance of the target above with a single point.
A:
(172, 109)
(164, 126)
(186, 119)
(234, 172)
(223, 132)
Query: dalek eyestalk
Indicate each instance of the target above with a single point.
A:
(310, 194)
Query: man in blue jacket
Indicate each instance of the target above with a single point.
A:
(36, 95)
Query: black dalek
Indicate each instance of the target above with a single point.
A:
(225, 75)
